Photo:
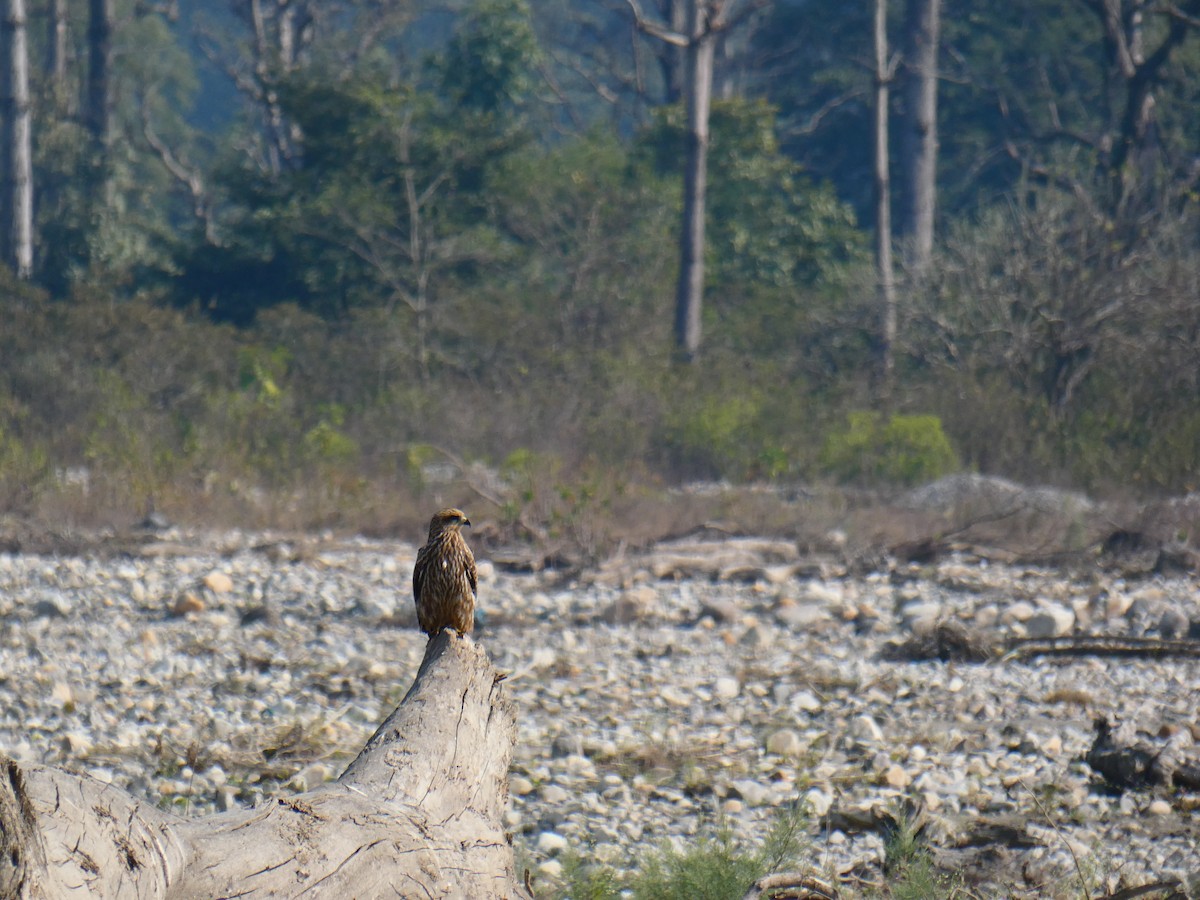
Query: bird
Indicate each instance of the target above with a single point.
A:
(444, 578)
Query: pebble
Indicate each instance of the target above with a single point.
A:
(865, 728)
(800, 615)
(549, 842)
(726, 688)
(185, 603)
(785, 742)
(635, 727)
(551, 869)
(218, 582)
(1054, 621)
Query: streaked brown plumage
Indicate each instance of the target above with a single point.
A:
(444, 580)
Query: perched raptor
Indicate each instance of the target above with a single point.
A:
(444, 581)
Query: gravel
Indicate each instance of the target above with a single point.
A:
(657, 696)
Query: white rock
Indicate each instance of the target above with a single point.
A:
(1053, 621)
(822, 592)
(218, 582)
(1021, 611)
(551, 868)
(726, 688)
(805, 700)
(751, 791)
(551, 842)
(1116, 604)
(800, 615)
(819, 801)
(866, 729)
(784, 742)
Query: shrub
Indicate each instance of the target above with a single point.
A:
(904, 450)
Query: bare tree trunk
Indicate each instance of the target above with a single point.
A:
(919, 137)
(884, 274)
(689, 296)
(56, 48)
(1134, 140)
(99, 100)
(419, 813)
(16, 201)
(672, 59)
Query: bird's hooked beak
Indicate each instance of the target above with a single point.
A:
(465, 521)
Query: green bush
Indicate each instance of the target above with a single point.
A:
(716, 867)
(23, 471)
(904, 450)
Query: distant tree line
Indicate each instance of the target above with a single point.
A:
(654, 214)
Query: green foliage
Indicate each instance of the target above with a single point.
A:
(904, 450)
(725, 435)
(490, 62)
(908, 864)
(584, 880)
(716, 867)
(326, 444)
(769, 224)
(24, 472)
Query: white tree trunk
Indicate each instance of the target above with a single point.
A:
(885, 284)
(16, 197)
(417, 814)
(689, 295)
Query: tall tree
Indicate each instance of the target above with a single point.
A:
(98, 108)
(689, 293)
(884, 274)
(16, 196)
(1124, 23)
(56, 48)
(919, 133)
(706, 21)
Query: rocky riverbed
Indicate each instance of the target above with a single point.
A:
(703, 683)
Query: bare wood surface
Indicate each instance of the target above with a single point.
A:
(418, 813)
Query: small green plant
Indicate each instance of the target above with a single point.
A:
(326, 443)
(908, 865)
(717, 868)
(904, 450)
(24, 470)
(586, 880)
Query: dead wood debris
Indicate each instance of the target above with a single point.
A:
(1138, 765)
(948, 641)
(1099, 645)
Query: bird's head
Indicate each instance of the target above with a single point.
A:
(450, 519)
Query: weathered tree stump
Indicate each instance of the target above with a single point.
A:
(417, 814)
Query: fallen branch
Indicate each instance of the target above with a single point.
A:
(791, 886)
(418, 813)
(1099, 645)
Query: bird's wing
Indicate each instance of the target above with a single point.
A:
(419, 571)
(472, 576)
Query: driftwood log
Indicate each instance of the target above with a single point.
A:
(417, 814)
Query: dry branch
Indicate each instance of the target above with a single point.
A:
(1100, 645)
(418, 813)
